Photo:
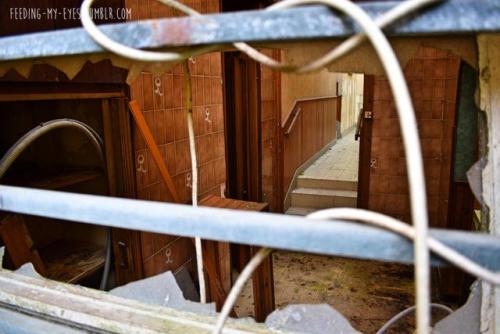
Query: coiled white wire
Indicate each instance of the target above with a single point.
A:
(407, 122)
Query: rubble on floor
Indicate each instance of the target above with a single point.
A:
(162, 290)
(315, 319)
(466, 319)
(321, 318)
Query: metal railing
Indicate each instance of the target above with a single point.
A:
(303, 23)
(359, 124)
(339, 238)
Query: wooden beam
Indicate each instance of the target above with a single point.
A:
(263, 287)
(97, 311)
(155, 152)
(20, 246)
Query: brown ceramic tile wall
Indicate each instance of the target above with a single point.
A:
(162, 101)
(432, 76)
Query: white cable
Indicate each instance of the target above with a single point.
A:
(194, 178)
(404, 313)
(194, 198)
(394, 225)
(128, 52)
(238, 286)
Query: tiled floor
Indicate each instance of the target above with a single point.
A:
(339, 163)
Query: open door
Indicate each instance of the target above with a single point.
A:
(243, 131)
(244, 157)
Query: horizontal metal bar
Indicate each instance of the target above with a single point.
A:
(312, 22)
(251, 228)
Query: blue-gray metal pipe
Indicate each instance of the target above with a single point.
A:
(251, 228)
(303, 23)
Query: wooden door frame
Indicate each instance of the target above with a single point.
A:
(242, 114)
(243, 130)
(121, 175)
(365, 144)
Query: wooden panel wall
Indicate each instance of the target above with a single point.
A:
(310, 126)
(161, 98)
(432, 76)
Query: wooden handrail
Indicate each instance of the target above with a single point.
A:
(359, 125)
(293, 114)
(294, 119)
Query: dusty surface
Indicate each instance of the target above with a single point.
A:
(367, 293)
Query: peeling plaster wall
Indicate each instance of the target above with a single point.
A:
(489, 66)
(364, 59)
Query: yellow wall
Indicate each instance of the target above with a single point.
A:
(352, 99)
(302, 86)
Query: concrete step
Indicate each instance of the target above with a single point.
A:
(320, 183)
(299, 211)
(323, 198)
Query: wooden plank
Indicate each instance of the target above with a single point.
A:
(219, 254)
(55, 180)
(218, 267)
(263, 288)
(217, 260)
(92, 310)
(278, 161)
(57, 96)
(239, 84)
(150, 142)
(71, 261)
(126, 244)
(254, 126)
(19, 244)
(108, 147)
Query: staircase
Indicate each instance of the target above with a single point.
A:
(313, 193)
